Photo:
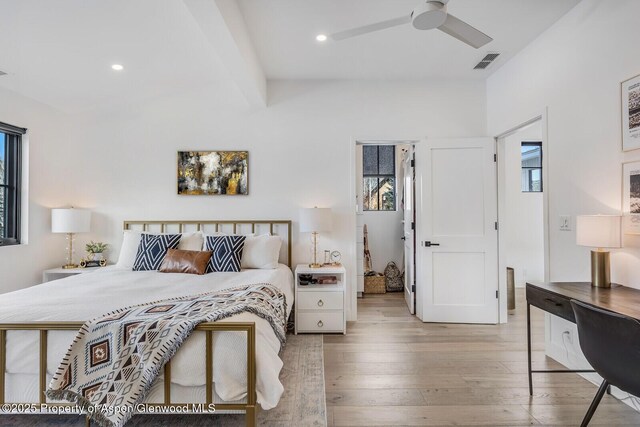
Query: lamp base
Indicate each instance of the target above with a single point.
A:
(70, 266)
(315, 265)
(600, 270)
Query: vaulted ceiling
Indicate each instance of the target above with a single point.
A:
(60, 52)
(283, 32)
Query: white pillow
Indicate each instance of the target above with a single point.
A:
(261, 251)
(131, 241)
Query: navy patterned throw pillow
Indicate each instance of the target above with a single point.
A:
(152, 250)
(226, 252)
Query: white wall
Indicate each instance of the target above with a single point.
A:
(301, 151)
(574, 69)
(523, 223)
(47, 150)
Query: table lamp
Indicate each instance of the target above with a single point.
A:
(70, 221)
(600, 232)
(315, 220)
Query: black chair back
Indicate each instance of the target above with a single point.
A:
(611, 344)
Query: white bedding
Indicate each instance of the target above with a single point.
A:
(85, 296)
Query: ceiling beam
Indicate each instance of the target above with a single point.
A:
(223, 25)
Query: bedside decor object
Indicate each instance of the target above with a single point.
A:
(213, 172)
(336, 256)
(70, 221)
(630, 107)
(314, 221)
(95, 255)
(91, 263)
(599, 231)
(95, 250)
(631, 197)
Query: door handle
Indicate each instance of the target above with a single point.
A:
(428, 244)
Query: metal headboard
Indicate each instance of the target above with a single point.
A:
(242, 226)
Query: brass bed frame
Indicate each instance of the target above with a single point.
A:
(208, 328)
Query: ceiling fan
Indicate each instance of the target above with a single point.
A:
(429, 14)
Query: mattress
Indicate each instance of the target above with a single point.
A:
(86, 296)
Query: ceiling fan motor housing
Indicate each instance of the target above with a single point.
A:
(429, 14)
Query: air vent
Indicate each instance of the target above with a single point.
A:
(486, 61)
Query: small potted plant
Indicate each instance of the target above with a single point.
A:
(95, 250)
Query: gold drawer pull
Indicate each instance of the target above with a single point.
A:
(320, 303)
(320, 324)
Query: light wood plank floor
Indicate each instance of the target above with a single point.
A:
(391, 369)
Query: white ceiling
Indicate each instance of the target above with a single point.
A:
(60, 52)
(283, 32)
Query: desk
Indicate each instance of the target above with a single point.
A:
(555, 298)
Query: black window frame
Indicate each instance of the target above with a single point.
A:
(531, 169)
(12, 185)
(381, 175)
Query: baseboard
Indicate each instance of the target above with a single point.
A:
(572, 360)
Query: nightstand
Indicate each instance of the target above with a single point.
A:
(320, 308)
(61, 273)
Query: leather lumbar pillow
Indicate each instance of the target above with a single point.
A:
(190, 262)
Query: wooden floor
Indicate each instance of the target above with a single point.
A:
(391, 369)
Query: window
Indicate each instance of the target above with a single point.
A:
(531, 167)
(379, 174)
(10, 183)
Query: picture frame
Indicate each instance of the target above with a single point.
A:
(631, 197)
(213, 173)
(630, 113)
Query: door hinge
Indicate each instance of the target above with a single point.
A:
(497, 294)
(413, 163)
(413, 225)
(496, 225)
(495, 158)
(413, 288)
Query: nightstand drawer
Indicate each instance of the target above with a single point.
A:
(320, 300)
(320, 322)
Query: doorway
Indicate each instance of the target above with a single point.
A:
(384, 216)
(522, 209)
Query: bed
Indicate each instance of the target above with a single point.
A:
(232, 364)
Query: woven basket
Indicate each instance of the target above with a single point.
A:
(374, 285)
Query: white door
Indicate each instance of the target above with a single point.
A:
(457, 248)
(409, 230)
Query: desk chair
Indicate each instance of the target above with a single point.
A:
(611, 344)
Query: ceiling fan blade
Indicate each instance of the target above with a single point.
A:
(464, 32)
(371, 28)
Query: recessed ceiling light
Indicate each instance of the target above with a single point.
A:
(117, 67)
(321, 38)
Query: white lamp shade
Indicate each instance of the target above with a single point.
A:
(598, 231)
(315, 219)
(70, 220)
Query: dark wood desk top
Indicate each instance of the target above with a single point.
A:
(618, 298)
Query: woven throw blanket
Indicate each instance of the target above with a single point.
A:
(115, 358)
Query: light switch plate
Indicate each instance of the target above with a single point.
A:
(565, 223)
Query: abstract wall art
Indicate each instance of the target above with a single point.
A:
(213, 173)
